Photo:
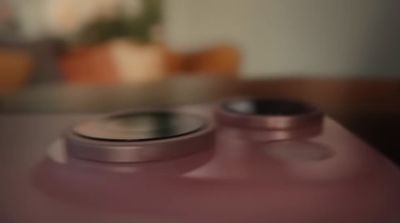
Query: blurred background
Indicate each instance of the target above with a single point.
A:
(125, 41)
(60, 54)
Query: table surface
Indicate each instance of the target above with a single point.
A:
(369, 108)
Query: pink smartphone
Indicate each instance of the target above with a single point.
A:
(245, 160)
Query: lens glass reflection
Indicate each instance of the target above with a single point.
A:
(270, 107)
(140, 126)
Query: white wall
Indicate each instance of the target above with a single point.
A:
(291, 37)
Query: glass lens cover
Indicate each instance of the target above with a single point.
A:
(140, 126)
(268, 107)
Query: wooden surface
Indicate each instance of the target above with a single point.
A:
(370, 108)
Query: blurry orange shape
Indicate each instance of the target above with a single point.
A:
(90, 64)
(15, 68)
(222, 60)
(126, 61)
(119, 61)
(174, 62)
(138, 63)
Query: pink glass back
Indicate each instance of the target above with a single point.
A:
(330, 177)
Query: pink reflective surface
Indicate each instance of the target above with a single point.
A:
(332, 178)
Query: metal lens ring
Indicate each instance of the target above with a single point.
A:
(275, 118)
(138, 136)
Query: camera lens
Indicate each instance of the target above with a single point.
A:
(268, 107)
(140, 126)
(270, 119)
(139, 137)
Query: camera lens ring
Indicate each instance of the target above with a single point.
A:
(122, 150)
(277, 119)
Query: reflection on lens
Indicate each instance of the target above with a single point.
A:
(270, 107)
(140, 126)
